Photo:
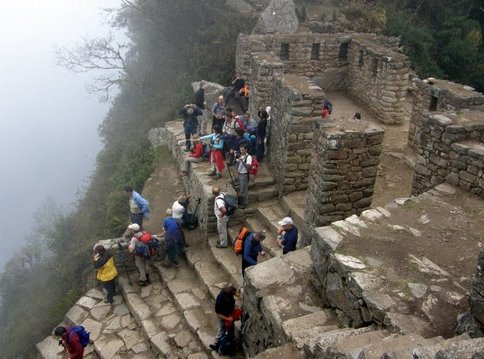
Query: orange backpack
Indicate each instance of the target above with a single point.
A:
(239, 241)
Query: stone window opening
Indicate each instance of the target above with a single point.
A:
(284, 51)
(361, 59)
(343, 52)
(315, 51)
(433, 103)
(374, 67)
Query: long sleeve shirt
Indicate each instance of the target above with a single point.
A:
(73, 345)
(215, 140)
(142, 203)
(252, 249)
(197, 151)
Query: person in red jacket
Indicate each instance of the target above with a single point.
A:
(70, 341)
(196, 155)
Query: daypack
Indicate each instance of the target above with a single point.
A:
(147, 245)
(240, 123)
(82, 333)
(227, 344)
(328, 105)
(230, 203)
(239, 240)
(254, 166)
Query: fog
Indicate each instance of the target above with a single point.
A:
(48, 122)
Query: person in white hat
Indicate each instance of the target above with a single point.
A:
(287, 235)
(142, 262)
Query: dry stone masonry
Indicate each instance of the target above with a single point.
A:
(433, 95)
(451, 149)
(345, 158)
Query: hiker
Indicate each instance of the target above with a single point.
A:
(244, 161)
(138, 206)
(190, 122)
(218, 113)
(143, 262)
(71, 342)
(220, 212)
(252, 248)
(287, 235)
(196, 155)
(216, 147)
(105, 271)
(327, 109)
(179, 211)
(224, 308)
(261, 134)
(357, 116)
(200, 96)
(238, 84)
(174, 239)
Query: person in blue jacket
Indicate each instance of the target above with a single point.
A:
(287, 235)
(138, 206)
(216, 147)
(252, 248)
(190, 114)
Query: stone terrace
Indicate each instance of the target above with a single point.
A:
(405, 265)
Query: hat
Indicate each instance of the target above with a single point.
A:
(134, 226)
(285, 221)
(169, 212)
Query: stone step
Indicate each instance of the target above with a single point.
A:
(114, 331)
(157, 314)
(208, 269)
(459, 347)
(227, 260)
(287, 351)
(395, 345)
(261, 194)
(294, 205)
(193, 302)
(271, 212)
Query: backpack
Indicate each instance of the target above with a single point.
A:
(82, 333)
(240, 123)
(227, 344)
(254, 166)
(147, 245)
(230, 203)
(239, 240)
(328, 105)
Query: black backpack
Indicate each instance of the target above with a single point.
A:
(227, 344)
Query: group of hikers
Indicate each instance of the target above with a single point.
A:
(237, 140)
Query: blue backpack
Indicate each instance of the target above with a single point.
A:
(82, 333)
(230, 203)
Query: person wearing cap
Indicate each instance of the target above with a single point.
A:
(138, 206)
(142, 263)
(252, 248)
(106, 271)
(287, 235)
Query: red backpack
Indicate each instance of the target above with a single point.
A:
(254, 167)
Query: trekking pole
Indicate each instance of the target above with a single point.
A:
(231, 177)
(124, 258)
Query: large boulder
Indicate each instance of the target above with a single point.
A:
(278, 18)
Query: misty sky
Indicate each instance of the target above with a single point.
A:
(48, 122)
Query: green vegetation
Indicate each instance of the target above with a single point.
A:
(171, 43)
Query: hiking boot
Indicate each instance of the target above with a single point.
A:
(212, 173)
(218, 245)
(217, 176)
(148, 279)
(213, 347)
(142, 283)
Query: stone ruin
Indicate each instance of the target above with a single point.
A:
(393, 281)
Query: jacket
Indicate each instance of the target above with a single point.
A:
(72, 344)
(105, 268)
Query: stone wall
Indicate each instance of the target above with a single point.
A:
(451, 148)
(345, 158)
(476, 300)
(264, 69)
(295, 108)
(368, 66)
(378, 77)
(439, 96)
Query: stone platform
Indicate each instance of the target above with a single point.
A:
(407, 266)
